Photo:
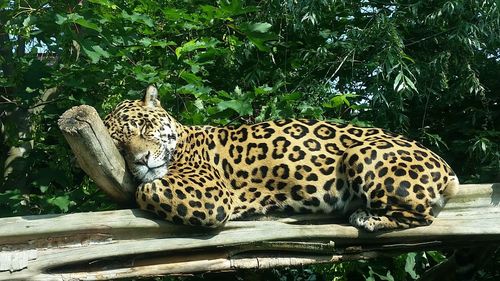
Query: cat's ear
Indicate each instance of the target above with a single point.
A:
(151, 98)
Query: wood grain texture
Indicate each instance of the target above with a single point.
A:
(128, 243)
(96, 153)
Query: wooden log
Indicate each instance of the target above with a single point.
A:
(131, 243)
(96, 153)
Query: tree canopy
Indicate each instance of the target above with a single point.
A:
(427, 69)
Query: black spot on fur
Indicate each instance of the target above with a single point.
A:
(310, 189)
(295, 193)
(166, 207)
(355, 132)
(282, 171)
(161, 214)
(242, 174)
(327, 171)
(177, 220)
(382, 172)
(424, 179)
(312, 202)
(198, 194)
(280, 145)
(413, 174)
(346, 195)
(420, 208)
(199, 215)
(400, 172)
(180, 194)
(384, 144)
(324, 132)
(228, 169)
(370, 175)
(195, 204)
(297, 131)
(402, 192)
(405, 184)
(312, 145)
(402, 143)
(388, 183)
(194, 221)
(168, 194)
(353, 159)
(435, 176)
(223, 136)
(181, 210)
(340, 184)
(328, 185)
(333, 149)
(330, 200)
(280, 196)
(312, 177)
(221, 214)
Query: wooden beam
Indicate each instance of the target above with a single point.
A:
(131, 243)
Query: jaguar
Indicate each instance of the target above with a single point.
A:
(207, 175)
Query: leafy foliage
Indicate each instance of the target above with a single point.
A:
(425, 69)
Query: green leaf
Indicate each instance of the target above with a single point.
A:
(241, 107)
(4, 4)
(136, 17)
(105, 3)
(410, 265)
(60, 19)
(436, 256)
(162, 44)
(146, 42)
(43, 188)
(231, 8)
(196, 44)
(62, 202)
(95, 53)
(78, 19)
(191, 78)
(29, 20)
(397, 82)
(339, 100)
(261, 27)
(258, 34)
(292, 96)
(410, 84)
(263, 90)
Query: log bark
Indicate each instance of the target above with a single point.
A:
(96, 153)
(132, 243)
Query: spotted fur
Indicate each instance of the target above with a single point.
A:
(205, 176)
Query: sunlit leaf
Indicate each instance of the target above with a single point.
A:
(105, 3)
(241, 107)
(191, 78)
(78, 19)
(62, 202)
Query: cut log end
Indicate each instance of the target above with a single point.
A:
(74, 118)
(96, 153)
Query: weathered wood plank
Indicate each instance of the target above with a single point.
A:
(127, 243)
(96, 153)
